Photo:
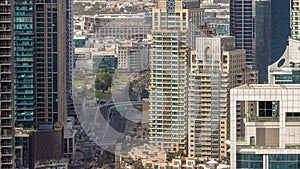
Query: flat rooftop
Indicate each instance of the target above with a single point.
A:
(269, 86)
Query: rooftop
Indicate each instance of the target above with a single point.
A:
(269, 86)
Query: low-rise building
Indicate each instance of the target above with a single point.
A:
(133, 56)
(104, 59)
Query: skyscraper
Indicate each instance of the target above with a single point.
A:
(262, 38)
(170, 52)
(281, 27)
(286, 69)
(50, 61)
(242, 27)
(217, 67)
(33, 70)
(6, 85)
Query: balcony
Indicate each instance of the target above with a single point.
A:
(7, 91)
(6, 116)
(5, 62)
(6, 136)
(6, 124)
(5, 108)
(5, 20)
(6, 144)
(5, 162)
(5, 54)
(5, 71)
(5, 99)
(5, 80)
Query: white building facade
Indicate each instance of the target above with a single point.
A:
(272, 126)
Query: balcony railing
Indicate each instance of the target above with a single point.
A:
(263, 119)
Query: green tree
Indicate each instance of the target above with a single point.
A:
(103, 80)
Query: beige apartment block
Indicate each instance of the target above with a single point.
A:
(216, 67)
(169, 59)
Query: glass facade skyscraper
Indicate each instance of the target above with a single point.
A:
(281, 27)
(241, 26)
(24, 63)
(262, 38)
(33, 64)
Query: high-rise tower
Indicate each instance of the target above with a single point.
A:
(6, 85)
(173, 21)
(217, 67)
(242, 27)
(263, 36)
(281, 27)
(33, 55)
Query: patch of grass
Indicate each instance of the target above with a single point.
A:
(78, 83)
(100, 95)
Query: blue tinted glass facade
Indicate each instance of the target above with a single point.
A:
(247, 161)
(280, 27)
(263, 39)
(275, 161)
(280, 161)
(23, 63)
(241, 26)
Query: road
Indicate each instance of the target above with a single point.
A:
(104, 124)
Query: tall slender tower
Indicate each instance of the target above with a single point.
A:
(33, 61)
(242, 27)
(50, 64)
(281, 27)
(6, 85)
(170, 52)
(263, 37)
(216, 68)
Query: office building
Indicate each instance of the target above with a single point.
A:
(216, 67)
(34, 66)
(281, 27)
(133, 56)
(119, 26)
(242, 27)
(287, 69)
(104, 60)
(173, 24)
(271, 126)
(263, 38)
(221, 25)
